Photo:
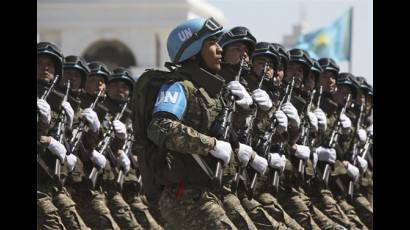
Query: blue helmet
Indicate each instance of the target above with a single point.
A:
(185, 41)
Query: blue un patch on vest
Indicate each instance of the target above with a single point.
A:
(171, 98)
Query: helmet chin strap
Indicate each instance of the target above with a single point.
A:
(201, 62)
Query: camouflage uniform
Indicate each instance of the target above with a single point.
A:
(323, 197)
(93, 204)
(188, 202)
(120, 210)
(47, 213)
(51, 198)
(231, 202)
(362, 191)
(331, 200)
(263, 209)
(130, 187)
(358, 198)
(299, 205)
(292, 194)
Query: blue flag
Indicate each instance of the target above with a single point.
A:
(332, 41)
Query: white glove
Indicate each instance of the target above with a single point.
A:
(245, 153)
(71, 161)
(315, 159)
(370, 130)
(302, 152)
(222, 151)
(262, 99)
(124, 162)
(277, 162)
(291, 113)
(362, 163)
(282, 120)
(259, 164)
(345, 121)
(326, 154)
(119, 129)
(352, 171)
(92, 119)
(98, 159)
(44, 110)
(361, 133)
(321, 119)
(313, 121)
(69, 113)
(237, 89)
(57, 149)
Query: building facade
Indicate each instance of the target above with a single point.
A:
(128, 33)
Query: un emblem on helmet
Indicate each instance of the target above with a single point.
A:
(184, 34)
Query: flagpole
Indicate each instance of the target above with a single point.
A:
(350, 42)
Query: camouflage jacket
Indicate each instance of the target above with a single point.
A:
(54, 99)
(177, 139)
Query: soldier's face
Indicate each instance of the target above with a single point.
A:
(258, 65)
(295, 70)
(328, 81)
(341, 94)
(360, 98)
(309, 84)
(74, 76)
(280, 74)
(234, 52)
(118, 90)
(45, 68)
(94, 84)
(369, 103)
(211, 53)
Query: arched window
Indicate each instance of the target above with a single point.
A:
(113, 53)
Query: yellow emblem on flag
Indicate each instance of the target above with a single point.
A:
(322, 39)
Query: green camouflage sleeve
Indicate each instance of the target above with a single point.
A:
(175, 136)
(42, 128)
(239, 117)
(344, 147)
(293, 135)
(90, 140)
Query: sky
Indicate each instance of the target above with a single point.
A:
(270, 20)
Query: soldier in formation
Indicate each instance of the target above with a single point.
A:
(236, 134)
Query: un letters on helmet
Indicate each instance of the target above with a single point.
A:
(184, 34)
